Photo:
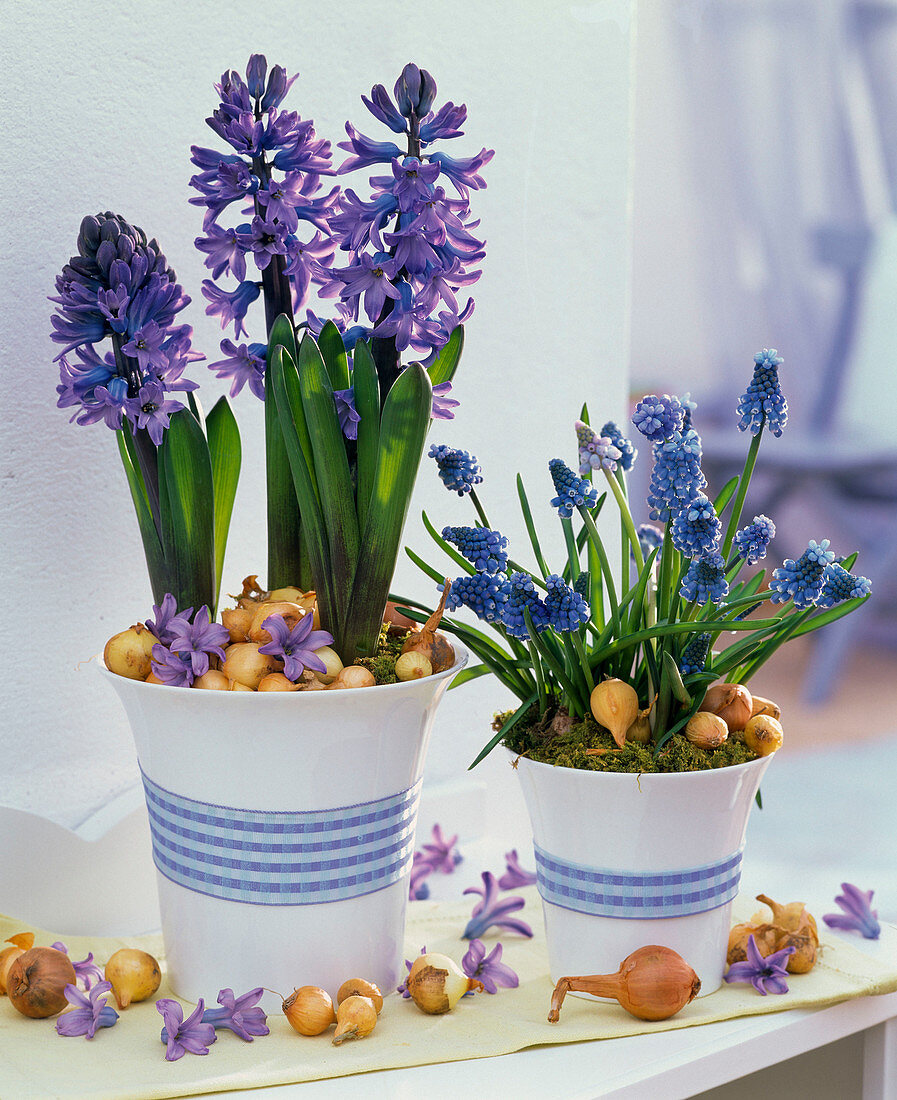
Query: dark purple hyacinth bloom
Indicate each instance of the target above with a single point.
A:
(89, 1014)
(194, 641)
(86, 971)
(295, 647)
(490, 912)
(488, 969)
(346, 412)
(190, 1036)
(858, 914)
(150, 410)
(515, 876)
(441, 852)
(171, 668)
(241, 1015)
(766, 975)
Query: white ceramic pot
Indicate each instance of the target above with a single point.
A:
(626, 860)
(283, 828)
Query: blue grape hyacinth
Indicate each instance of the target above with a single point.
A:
(485, 549)
(522, 595)
(567, 608)
(839, 585)
(677, 477)
(696, 528)
(802, 580)
(694, 656)
(658, 417)
(752, 540)
(595, 452)
(572, 491)
(763, 403)
(628, 452)
(458, 470)
(705, 580)
(485, 594)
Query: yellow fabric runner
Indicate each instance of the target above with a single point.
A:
(129, 1059)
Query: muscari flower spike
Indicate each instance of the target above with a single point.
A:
(676, 477)
(522, 596)
(515, 876)
(752, 540)
(705, 580)
(572, 491)
(802, 580)
(689, 407)
(694, 656)
(766, 975)
(658, 417)
(839, 585)
(567, 609)
(296, 646)
(486, 595)
(762, 403)
(595, 452)
(190, 1036)
(649, 537)
(628, 452)
(485, 549)
(490, 912)
(89, 1014)
(458, 470)
(858, 914)
(241, 1015)
(488, 969)
(696, 529)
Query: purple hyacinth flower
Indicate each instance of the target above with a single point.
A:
(858, 915)
(163, 614)
(241, 1015)
(195, 641)
(296, 647)
(86, 971)
(346, 412)
(190, 1036)
(766, 975)
(144, 345)
(230, 306)
(442, 403)
(242, 364)
(489, 969)
(171, 668)
(442, 854)
(150, 410)
(90, 1011)
(224, 253)
(490, 912)
(515, 876)
(403, 988)
(421, 868)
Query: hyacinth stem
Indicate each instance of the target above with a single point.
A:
(743, 484)
(584, 662)
(129, 369)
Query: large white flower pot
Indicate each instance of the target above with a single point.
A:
(626, 860)
(283, 828)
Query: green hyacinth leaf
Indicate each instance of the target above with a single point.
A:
(367, 404)
(443, 367)
(226, 453)
(333, 352)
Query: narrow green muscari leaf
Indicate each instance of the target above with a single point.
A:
(443, 367)
(152, 547)
(367, 404)
(679, 690)
(544, 650)
(188, 512)
(474, 672)
(637, 594)
(725, 494)
(403, 430)
(446, 547)
(225, 452)
(505, 729)
(333, 351)
(331, 467)
(531, 527)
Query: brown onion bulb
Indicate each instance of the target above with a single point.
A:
(36, 982)
(237, 622)
(213, 680)
(276, 681)
(732, 702)
(706, 730)
(763, 735)
(309, 1010)
(435, 647)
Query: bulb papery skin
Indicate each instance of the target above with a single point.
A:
(291, 613)
(763, 735)
(288, 595)
(706, 730)
(36, 982)
(244, 663)
(276, 681)
(129, 653)
(309, 1010)
(18, 945)
(237, 621)
(133, 974)
(413, 665)
(356, 1018)
(732, 702)
(353, 676)
(436, 983)
(333, 662)
(213, 680)
(358, 987)
(765, 706)
(614, 704)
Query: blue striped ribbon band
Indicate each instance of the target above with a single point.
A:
(269, 857)
(637, 895)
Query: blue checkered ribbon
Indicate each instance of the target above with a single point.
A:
(266, 857)
(637, 895)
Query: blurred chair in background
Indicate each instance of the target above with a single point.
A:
(793, 104)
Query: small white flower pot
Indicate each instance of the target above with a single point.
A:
(626, 860)
(283, 828)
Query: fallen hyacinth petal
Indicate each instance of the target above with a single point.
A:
(766, 975)
(515, 876)
(858, 916)
(403, 988)
(86, 970)
(489, 969)
(90, 1012)
(241, 1015)
(490, 912)
(442, 854)
(421, 868)
(184, 1036)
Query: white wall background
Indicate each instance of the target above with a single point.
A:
(100, 103)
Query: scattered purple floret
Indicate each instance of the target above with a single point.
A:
(515, 876)
(90, 1011)
(297, 646)
(190, 1036)
(403, 988)
(241, 1015)
(490, 912)
(766, 975)
(489, 969)
(421, 868)
(858, 915)
(86, 971)
(442, 854)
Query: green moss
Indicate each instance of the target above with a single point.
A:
(382, 663)
(586, 745)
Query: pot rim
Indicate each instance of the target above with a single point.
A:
(703, 775)
(462, 655)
